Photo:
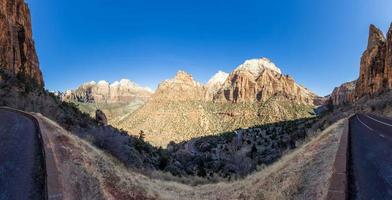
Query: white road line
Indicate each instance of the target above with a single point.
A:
(381, 135)
(364, 124)
(378, 121)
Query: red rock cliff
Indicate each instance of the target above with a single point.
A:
(376, 65)
(343, 94)
(17, 51)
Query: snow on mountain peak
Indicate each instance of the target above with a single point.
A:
(218, 78)
(103, 82)
(256, 66)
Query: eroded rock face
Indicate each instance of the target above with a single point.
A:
(181, 88)
(103, 92)
(259, 80)
(343, 94)
(376, 63)
(17, 51)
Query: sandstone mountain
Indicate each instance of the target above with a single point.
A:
(115, 100)
(376, 65)
(258, 80)
(215, 83)
(17, 51)
(343, 94)
(103, 92)
(181, 88)
(182, 108)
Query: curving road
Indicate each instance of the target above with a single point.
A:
(21, 158)
(371, 157)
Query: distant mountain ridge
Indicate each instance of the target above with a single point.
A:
(116, 100)
(254, 93)
(104, 92)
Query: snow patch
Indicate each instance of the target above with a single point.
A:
(256, 66)
(218, 78)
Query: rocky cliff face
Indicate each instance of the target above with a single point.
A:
(376, 65)
(181, 88)
(17, 51)
(103, 92)
(343, 94)
(258, 80)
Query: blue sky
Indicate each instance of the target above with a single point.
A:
(318, 42)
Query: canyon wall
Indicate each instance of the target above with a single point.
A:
(376, 65)
(17, 51)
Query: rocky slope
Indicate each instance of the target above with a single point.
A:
(182, 108)
(376, 65)
(17, 51)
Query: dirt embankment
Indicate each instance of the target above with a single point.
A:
(89, 173)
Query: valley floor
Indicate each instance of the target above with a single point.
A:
(89, 173)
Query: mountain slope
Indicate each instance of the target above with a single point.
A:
(182, 108)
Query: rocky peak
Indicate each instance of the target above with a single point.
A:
(376, 65)
(258, 80)
(181, 78)
(257, 66)
(218, 79)
(181, 88)
(376, 37)
(215, 84)
(17, 50)
(182, 75)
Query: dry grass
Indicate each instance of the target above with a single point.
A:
(89, 173)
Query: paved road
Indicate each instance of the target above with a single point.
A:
(371, 149)
(21, 159)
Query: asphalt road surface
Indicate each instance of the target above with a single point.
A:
(21, 159)
(371, 157)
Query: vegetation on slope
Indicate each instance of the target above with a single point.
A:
(180, 121)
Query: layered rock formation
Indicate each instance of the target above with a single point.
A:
(182, 108)
(103, 92)
(376, 65)
(343, 94)
(17, 51)
(258, 80)
(116, 100)
(181, 88)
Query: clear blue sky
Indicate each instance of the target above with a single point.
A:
(318, 42)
